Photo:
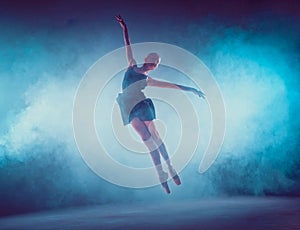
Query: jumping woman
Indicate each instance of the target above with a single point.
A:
(139, 111)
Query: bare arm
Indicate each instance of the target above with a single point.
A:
(163, 84)
(129, 53)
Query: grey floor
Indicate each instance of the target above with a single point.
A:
(242, 213)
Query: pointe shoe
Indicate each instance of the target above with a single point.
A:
(163, 177)
(174, 176)
(166, 187)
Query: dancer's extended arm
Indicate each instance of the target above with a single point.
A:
(163, 84)
(129, 53)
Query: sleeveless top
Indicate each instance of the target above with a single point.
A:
(132, 77)
(132, 101)
(133, 84)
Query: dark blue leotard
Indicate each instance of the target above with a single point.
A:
(132, 101)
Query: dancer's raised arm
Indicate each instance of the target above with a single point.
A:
(129, 53)
(163, 84)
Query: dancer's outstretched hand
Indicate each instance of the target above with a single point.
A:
(199, 93)
(121, 21)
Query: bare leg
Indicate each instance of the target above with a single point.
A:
(163, 150)
(147, 138)
(144, 133)
(161, 146)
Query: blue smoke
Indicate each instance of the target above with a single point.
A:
(256, 63)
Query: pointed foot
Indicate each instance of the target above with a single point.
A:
(176, 180)
(166, 187)
(174, 176)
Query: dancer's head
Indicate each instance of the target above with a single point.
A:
(152, 61)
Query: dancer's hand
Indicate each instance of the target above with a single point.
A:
(121, 21)
(199, 93)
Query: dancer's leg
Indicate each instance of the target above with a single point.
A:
(145, 134)
(163, 150)
(158, 141)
